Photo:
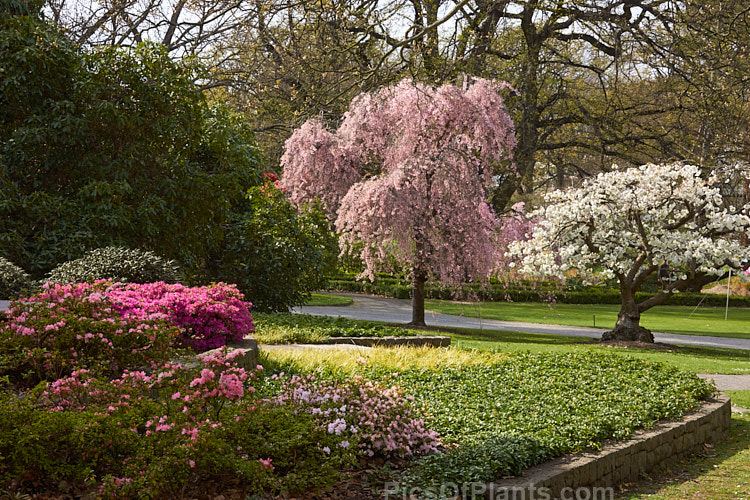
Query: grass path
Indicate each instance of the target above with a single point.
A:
(323, 299)
(669, 319)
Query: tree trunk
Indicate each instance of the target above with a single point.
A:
(628, 326)
(417, 300)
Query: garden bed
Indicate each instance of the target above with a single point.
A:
(499, 414)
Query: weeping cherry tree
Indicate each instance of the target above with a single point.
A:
(407, 177)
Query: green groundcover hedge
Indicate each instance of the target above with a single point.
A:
(501, 416)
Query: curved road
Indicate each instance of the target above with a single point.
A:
(375, 308)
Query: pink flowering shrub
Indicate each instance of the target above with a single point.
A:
(377, 419)
(208, 316)
(68, 327)
(150, 434)
(145, 435)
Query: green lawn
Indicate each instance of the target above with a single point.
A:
(740, 398)
(322, 299)
(670, 319)
(694, 359)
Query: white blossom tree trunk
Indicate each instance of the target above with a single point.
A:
(628, 326)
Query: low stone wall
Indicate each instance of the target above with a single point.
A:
(414, 341)
(621, 461)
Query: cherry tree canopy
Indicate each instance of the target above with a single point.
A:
(407, 176)
(625, 223)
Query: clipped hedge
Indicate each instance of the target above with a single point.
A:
(286, 328)
(545, 292)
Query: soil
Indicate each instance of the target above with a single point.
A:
(735, 288)
(637, 345)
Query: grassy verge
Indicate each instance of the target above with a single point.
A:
(321, 299)
(670, 319)
(740, 398)
(694, 359)
(721, 473)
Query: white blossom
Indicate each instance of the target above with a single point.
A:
(652, 213)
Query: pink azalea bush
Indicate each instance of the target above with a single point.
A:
(68, 327)
(377, 419)
(112, 412)
(208, 317)
(153, 434)
(150, 434)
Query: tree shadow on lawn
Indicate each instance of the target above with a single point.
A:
(723, 458)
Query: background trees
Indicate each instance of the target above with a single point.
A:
(625, 223)
(632, 80)
(407, 177)
(626, 80)
(116, 147)
(119, 147)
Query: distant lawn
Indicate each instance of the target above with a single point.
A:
(668, 319)
(694, 359)
(321, 299)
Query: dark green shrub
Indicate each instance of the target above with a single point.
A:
(13, 280)
(274, 254)
(111, 147)
(47, 443)
(116, 264)
(474, 462)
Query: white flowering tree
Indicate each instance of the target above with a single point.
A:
(626, 223)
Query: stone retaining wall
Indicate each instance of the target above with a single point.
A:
(621, 461)
(415, 341)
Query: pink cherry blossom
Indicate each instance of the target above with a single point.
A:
(407, 177)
